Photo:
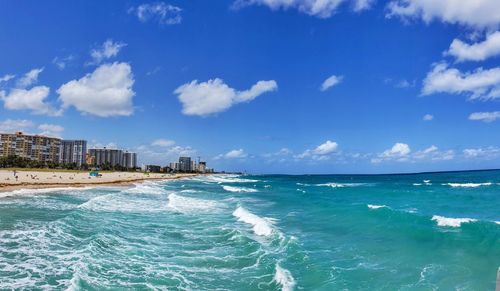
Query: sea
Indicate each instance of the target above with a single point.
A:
(430, 231)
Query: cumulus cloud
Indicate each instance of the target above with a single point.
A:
(50, 129)
(161, 12)
(163, 142)
(321, 152)
(13, 125)
(215, 96)
(428, 117)
(399, 152)
(487, 153)
(330, 82)
(233, 154)
(317, 8)
(106, 51)
(434, 154)
(478, 14)
(477, 51)
(282, 152)
(485, 116)
(29, 78)
(33, 99)
(479, 84)
(105, 92)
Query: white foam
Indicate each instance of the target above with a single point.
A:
(189, 204)
(468, 185)
(28, 191)
(146, 188)
(497, 222)
(373, 206)
(284, 278)
(224, 179)
(238, 189)
(342, 185)
(261, 226)
(417, 184)
(450, 221)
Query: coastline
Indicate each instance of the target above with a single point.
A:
(30, 179)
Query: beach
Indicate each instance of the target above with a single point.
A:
(47, 179)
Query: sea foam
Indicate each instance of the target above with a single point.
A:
(261, 226)
(342, 185)
(373, 206)
(238, 189)
(450, 221)
(189, 204)
(284, 278)
(468, 185)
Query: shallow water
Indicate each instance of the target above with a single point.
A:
(390, 232)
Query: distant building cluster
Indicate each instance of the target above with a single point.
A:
(62, 152)
(184, 165)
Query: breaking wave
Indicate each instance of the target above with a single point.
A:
(450, 221)
(284, 278)
(261, 226)
(238, 189)
(468, 185)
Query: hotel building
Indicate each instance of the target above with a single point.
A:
(113, 157)
(34, 147)
(73, 152)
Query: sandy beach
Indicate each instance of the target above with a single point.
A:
(48, 179)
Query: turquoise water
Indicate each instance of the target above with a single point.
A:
(391, 232)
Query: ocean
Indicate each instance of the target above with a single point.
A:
(432, 231)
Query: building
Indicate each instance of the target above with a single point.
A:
(34, 147)
(73, 152)
(185, 164)
(129, 160)
(152, 168)
(105, 156)
(112, 157)
(202, 167)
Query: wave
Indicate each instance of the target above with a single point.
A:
(189, 204)
(146, 188)
(342, 185)
(261, 226)
(238, 189)
(468, 185)
(284, 278)
(224, 179)
(373, 206)
(450, 221)
(28, 191)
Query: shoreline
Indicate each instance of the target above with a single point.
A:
(43, 180)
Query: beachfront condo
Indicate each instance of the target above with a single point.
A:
(34, 147)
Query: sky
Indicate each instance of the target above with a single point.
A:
(263, 86)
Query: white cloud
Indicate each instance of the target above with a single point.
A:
(29, 78)
(215, 96)
(105, 92)
(487, 153)
(318, 8)
(330, 82)
(107, 50)
(475, 52)
(428, 117)
(163, 13)
(61, 62)
(485, 116)
(12, 125)
(321, 152)
(50, 129)
(480, 84)
(163, 142)
(405, 84)
(281, 152)
(360, 5)
(7, 77)
(399, 152)
(233, 154)
(434, 154)
(474, 13)
(33, 99)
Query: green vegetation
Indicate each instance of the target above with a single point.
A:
(19, 163)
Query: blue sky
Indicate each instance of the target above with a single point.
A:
(266, 86)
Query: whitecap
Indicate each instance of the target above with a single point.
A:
(417, 184)
(342, 185)
(261, 226)
(224, 179)
(28, 191)
(450, 221)
(468, 185)
(146, 188)
(373, 206)
(284, 278)
(238, 189)
(189, 204)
